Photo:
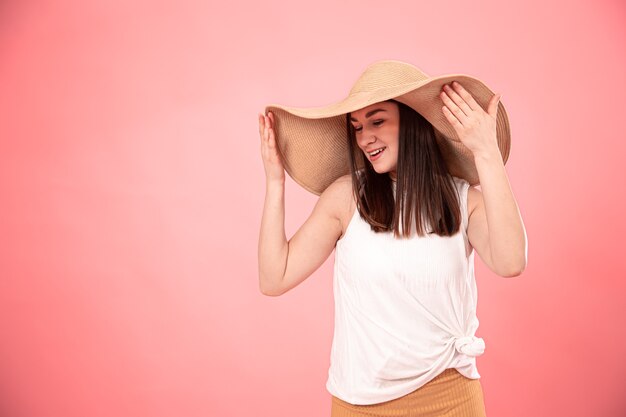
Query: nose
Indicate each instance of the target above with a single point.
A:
(365, 138)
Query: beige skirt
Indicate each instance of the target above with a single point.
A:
(449, 394)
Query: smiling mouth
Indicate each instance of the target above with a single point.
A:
(377, 153)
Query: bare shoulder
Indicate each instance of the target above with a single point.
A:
(343, 182)
(338, 192)
(338, 196)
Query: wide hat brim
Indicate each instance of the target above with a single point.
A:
(312, 142)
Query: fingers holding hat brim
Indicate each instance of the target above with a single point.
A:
(314, 151)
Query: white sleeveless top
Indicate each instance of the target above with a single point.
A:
(405, 310)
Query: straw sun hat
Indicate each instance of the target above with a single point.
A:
(312, 142)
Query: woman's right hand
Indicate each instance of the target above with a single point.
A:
(274, 169)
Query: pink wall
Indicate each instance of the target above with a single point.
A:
(132, 187)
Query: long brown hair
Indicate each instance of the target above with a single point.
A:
(424, 185)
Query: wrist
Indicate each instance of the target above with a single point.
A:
(275, 182)
(487, 154)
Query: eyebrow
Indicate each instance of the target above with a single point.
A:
(368, 114)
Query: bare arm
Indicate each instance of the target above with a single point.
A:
(272, 241)
(273, 245)
(313, 243)
(284, 264)
(496, 229)
(287, 264)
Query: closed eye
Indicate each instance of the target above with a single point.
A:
(377, 123)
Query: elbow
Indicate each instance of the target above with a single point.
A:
(516, 260)
(269, 291)
(513, 271)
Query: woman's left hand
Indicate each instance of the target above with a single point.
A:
(475, 128)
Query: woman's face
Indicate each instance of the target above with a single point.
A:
(377, 126)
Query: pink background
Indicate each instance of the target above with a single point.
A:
(132, 188)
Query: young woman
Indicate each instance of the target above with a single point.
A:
(394, 164)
